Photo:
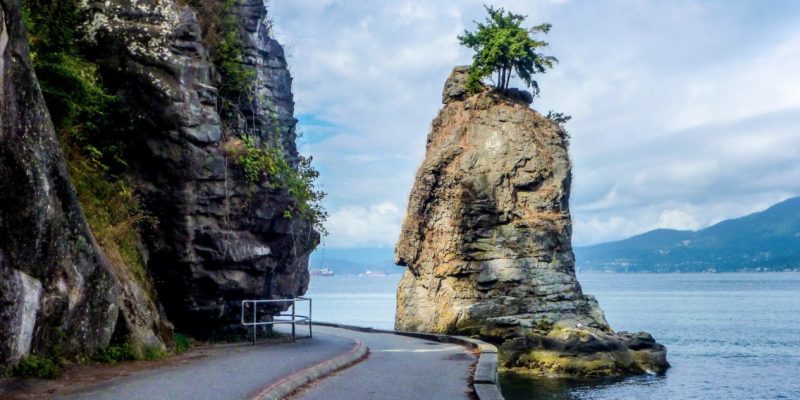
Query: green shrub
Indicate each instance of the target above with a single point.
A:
(37, 367)
(266, 163)
(182, 343)
(115, 353)
(152, 353)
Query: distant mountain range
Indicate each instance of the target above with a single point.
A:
(767, 240)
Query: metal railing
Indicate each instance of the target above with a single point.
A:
(280, 318)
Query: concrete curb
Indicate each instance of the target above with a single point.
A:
(289, 384)
(484, 379)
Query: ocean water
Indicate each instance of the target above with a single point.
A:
(355, 300)
(729, 336)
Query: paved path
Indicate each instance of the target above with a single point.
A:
(239, 372)
(398, 367)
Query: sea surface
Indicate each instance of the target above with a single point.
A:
(729, 336)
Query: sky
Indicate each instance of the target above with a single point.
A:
(685, 113)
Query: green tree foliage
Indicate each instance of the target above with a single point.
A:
(559, 118)
(503, 46)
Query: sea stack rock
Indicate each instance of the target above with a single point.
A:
(486, 242)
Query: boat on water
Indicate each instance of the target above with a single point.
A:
(373, 273)
(321, 272)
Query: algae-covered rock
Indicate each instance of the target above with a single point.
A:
(583, 352)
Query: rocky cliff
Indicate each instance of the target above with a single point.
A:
(486, 241)
(219, 239)
(58, 293)
(205, 111)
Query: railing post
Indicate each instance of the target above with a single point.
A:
(255, 324)
(294, 306)
(309, 318)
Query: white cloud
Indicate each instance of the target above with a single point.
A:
(677, 219)
(684, 113)
(374, 226)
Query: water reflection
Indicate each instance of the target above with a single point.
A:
(523, 387)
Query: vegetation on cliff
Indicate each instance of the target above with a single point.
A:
(221, 32)
(259, 161)
(94, 128)
(266, 163)
(97, 130)
(503, 46)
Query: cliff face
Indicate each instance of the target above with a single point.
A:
(219, 239)
(57, 290)
(486, 238)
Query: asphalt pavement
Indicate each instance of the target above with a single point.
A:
(238, 372)
(398, 367)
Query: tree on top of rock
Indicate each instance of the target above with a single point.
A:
(502, 45)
